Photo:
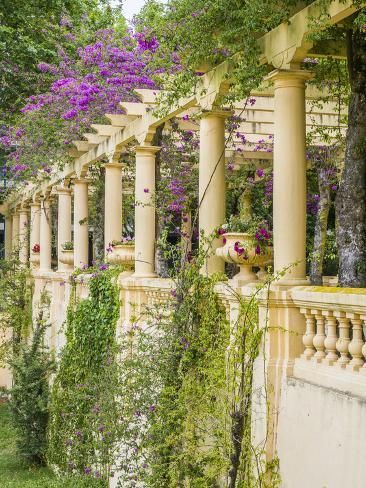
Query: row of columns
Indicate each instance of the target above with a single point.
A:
(289, 176)
(289, 193)
(40, 228)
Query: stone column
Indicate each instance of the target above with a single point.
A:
(81, 231)
(45, 236)
(15, 232)
(63, 222)
(35, 223)
(289, 174)
(145, 211)
(23, 235)
(8, 236)
(113, 204)
(212, 181)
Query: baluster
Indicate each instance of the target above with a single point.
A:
(363, 369)
(344, 339)
(331, 338)
(356, 344)
(307, 338)
(319, 338)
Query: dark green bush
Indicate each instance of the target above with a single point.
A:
(31, 368)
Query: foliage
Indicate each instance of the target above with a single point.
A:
(83, 86)
(14, 472)
(15, 307)
(36, 31)
(31, 368)
(82, 433)
(186, 387)
(67, 246)
(127, 241)
(205, 33)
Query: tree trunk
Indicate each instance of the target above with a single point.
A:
(351, 198)
(320, 232)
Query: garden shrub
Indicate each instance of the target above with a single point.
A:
(32, 367)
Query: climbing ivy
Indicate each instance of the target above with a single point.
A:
(83, 427)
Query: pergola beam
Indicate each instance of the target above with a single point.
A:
(289, 43)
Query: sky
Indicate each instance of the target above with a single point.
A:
(131, 7)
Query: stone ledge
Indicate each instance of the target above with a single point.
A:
(331, 377)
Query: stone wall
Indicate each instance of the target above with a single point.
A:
(321, 437)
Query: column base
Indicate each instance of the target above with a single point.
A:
(287, 282)
(144, 275)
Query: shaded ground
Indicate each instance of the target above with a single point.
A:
(13, 473)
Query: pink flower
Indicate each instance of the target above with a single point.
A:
(239, 250)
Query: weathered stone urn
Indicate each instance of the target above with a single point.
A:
(122, 254)
(240, 248)
(34, 259)
(67, 257)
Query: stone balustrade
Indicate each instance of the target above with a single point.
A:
(334, 337)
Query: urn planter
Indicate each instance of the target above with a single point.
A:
(242, 249)
(67, 257)
(34, 259)
(122, 254)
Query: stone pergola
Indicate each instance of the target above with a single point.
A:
(281, 111)
(315, 335)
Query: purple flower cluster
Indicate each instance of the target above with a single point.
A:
(185, 343)
(312, 204)
(177, 189)
(84, 88)
(262, 234)
(240, 250)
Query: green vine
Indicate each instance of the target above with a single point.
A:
(83, 427)
(187, 384)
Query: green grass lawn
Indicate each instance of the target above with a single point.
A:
(14, 473)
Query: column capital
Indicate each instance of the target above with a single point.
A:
(23, 210)
(289, 77)
(217, 112)
(81, 181)
(113, 165)
(151, 150)
(35, 204)
(62, 190)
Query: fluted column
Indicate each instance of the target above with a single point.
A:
(63, 222)
(145, 211)
(113, 204)
(81, 231)
(8, 236)
(212, 181)
(35, 229)
(45, 236)
(23, 235)
(15, 232)
(289, 173)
